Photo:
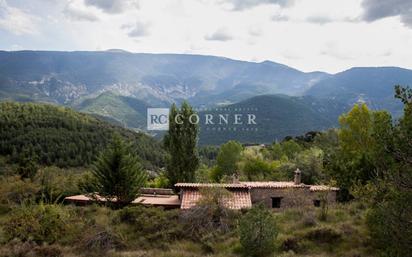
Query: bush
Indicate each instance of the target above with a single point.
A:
(151, 225)
(290, 244)
(56, 183)
(14, 190)
(47, 251)
(17, 248)
(210, 220)
(309, 220)
(389, 225)
(258, 231)
(40, 223)
(210, 214)
(323, 235)
(99, 239)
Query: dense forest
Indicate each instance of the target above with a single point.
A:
(52, 135)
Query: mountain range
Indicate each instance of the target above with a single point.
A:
(119, 86)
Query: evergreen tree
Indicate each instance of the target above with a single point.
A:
(227, 159)
(181, 143)
(389, 219)
(118, 175)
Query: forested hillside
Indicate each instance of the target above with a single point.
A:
(127, 111)
(277, 116)
(52, 135)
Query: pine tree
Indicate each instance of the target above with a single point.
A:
(118, 175)
(181, 143)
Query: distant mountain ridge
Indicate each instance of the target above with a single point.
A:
(158, 79)
(373, 86)
(119, 86)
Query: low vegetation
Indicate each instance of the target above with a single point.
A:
(141, 231)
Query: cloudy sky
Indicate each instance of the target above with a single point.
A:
(327, 35)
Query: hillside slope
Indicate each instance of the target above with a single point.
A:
(127, 111)
(277, 116)
(374, 86)
(59, 136)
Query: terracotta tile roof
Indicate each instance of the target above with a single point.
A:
(258, 184)
(316, 188)
(164, 200)
(145, 199)
(239, 199)
(272, 184)
(197, 185)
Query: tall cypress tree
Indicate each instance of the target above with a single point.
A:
(181, 143)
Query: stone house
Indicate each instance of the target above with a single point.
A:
(277, 195)
(273, 194)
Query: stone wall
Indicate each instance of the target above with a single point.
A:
(290, 197)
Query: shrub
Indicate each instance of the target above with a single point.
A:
(323, 235)
(152, 225)
(210, 220)
(210, 214)
(14, 190)
(47, 251)
(389, 225)
(56, 183)
(309, 220)
(258, 231)
(290, 244)
(17, 248)
(101, 240)
(40, 223)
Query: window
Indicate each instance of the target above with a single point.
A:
(276, 202)
(316, 203)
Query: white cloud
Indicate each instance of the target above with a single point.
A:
(219, 35)
(240, 5)
(113, 6)
(321, 20)
(280, 18)
(77, 14)
(138, 29)
(255, 31)
(16, 21)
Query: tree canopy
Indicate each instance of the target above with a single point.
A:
(181, 143)
(117, 174)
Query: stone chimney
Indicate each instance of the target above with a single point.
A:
(297, 179)
(235, 178)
